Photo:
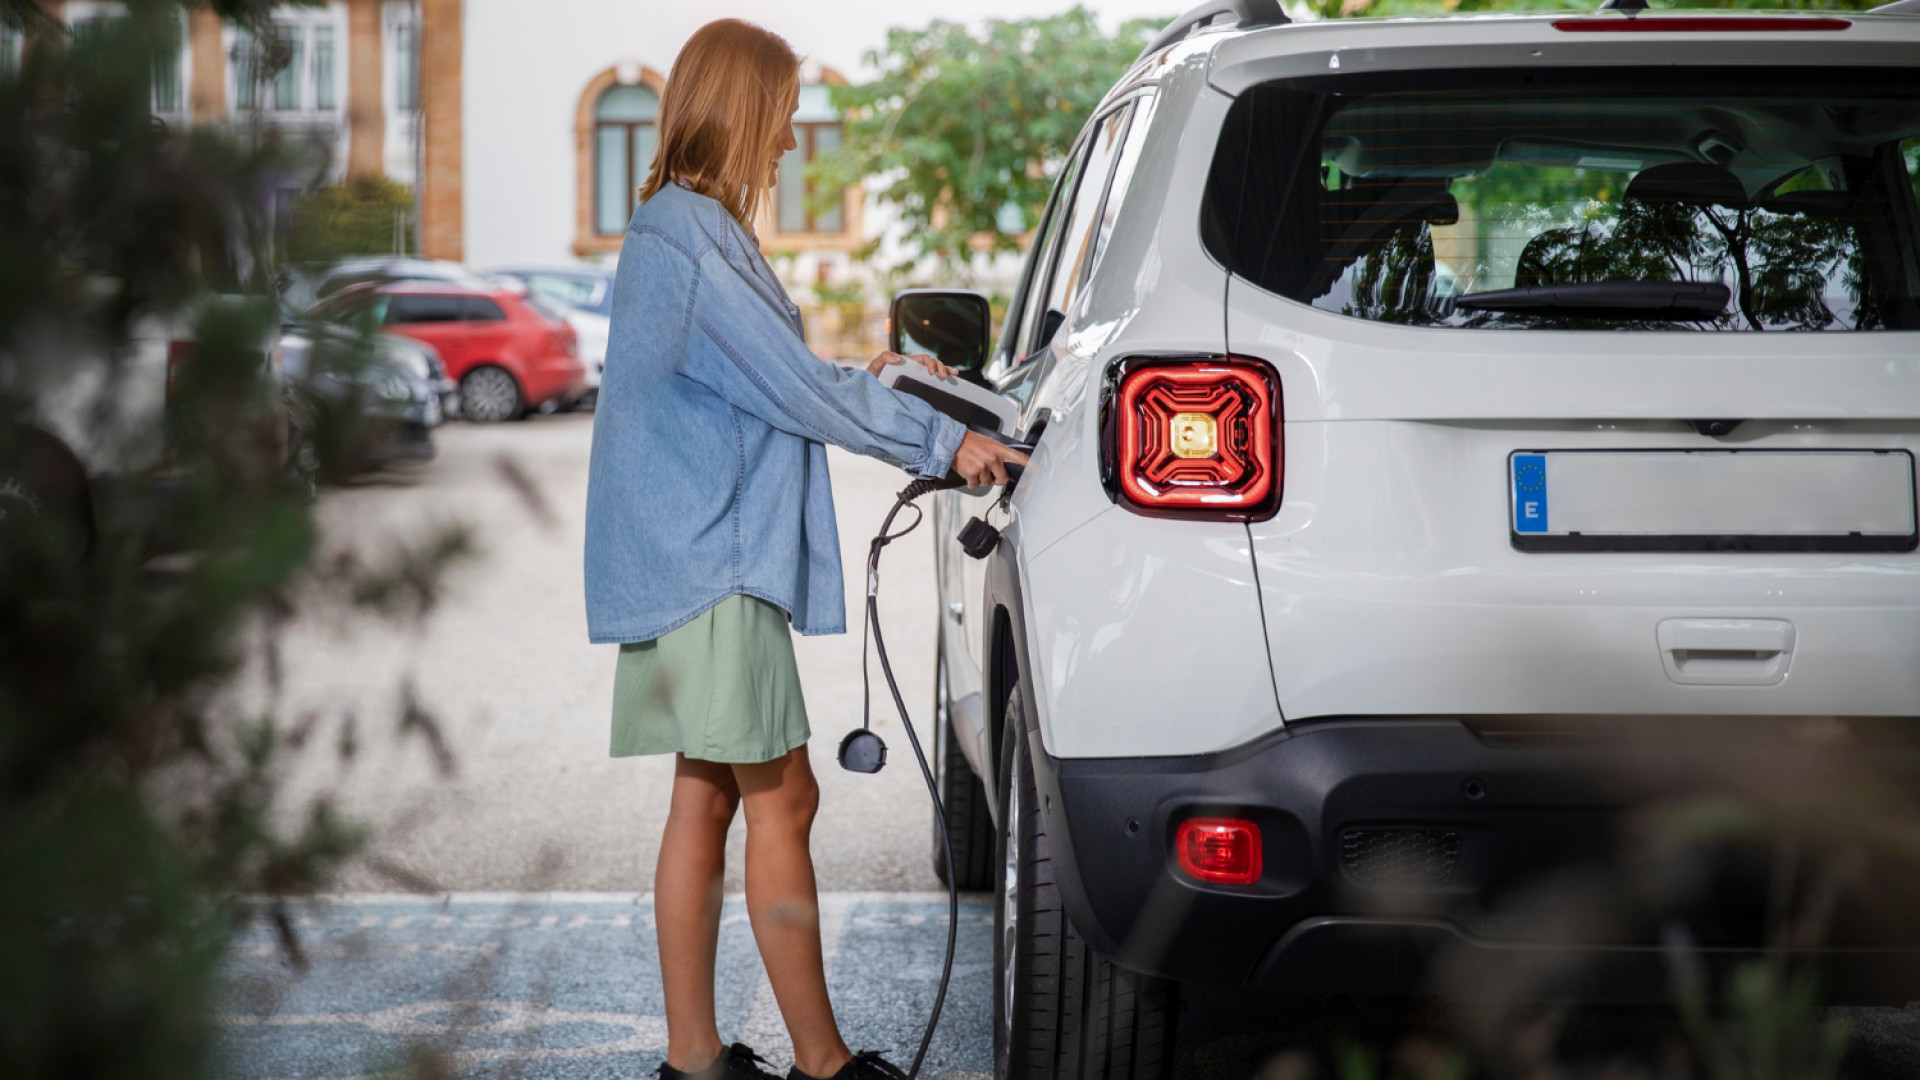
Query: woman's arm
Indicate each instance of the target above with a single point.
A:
(760, 365)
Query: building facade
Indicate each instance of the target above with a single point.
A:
(368, 87)
(524, 128)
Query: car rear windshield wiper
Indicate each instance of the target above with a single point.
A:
(1685, 300)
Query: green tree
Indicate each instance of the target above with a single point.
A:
(963, 129)
(363, 215)
(139, 803)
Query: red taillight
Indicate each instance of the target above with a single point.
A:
(1221, 851)
(179, 354)
(1197, 437)
(1684, 24)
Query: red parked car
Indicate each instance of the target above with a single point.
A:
(508, 353)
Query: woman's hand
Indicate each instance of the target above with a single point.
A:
(887, 359)
(981, 461)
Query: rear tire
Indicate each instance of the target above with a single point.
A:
(491, 395)
(44, 496)
(1061, 1009)
(969, 819)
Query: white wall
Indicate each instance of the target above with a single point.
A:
(528, 60)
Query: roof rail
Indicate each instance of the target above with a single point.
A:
(1898, 7)
(1248, 13)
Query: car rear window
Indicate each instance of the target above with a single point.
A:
(480, 309)
(1715, 199)
(424, 308)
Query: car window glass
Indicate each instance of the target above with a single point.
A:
(1122, 175)
(1077, 241)
(1910, 156)
(480, 309)
(1047, 247)
(573, 292)
(366, 309)
(422, 308)
(1009, 343)
(1580, 200)
(545, 308)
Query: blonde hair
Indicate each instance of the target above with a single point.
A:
(723, 114)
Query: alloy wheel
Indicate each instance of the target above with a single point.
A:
(489, 395)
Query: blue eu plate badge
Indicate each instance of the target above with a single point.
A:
(1529, 493)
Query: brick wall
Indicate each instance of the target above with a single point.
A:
(442, 212)
(366, 109)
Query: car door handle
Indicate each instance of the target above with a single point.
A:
(1726, 652)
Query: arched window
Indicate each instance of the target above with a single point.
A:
(803, 208)
(624, 137)
(616, 128)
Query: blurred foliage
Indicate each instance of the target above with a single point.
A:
(846, 294)
(362, 215)
(138, 801)
(963, 129)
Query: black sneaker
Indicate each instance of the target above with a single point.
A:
(866, 1065)
(736, 1062)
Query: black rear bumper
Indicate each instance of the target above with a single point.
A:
(1398, 850)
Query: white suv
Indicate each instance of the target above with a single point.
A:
(1432, 416)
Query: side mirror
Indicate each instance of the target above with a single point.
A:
(954, 326)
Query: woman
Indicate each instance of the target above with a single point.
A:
(710, 528)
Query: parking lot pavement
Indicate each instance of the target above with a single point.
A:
(567, 986)
(502, 663)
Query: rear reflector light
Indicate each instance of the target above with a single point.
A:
(1196, 437)
(1685, 24)
(1222, 851)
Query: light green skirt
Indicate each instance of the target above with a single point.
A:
(722, 687)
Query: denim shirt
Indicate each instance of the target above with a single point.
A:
(709, 467)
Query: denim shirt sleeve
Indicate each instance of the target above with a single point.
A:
(760, 365)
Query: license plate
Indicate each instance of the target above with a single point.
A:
(1712, 500)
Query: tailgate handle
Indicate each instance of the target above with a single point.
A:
(1726, 652)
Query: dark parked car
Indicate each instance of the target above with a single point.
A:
(386, 399)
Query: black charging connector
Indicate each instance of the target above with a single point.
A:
(862, 751)
(978, 539)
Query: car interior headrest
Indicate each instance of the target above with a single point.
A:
(1392, 200)
(1691, 182)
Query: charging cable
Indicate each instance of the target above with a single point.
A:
(862, 750)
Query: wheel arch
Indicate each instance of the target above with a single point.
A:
(1007, 659)
(1009, 665)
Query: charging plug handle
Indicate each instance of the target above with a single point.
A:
(1014, 472)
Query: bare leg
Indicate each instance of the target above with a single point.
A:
(781, 797)
(686, 905)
